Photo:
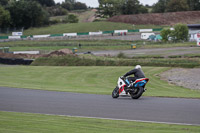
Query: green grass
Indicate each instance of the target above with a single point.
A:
(94, 80)
(82, 15)
(84, 27)
(77, 27)
(11, 122)
(50, 43)
(88, 45)
(120, 60)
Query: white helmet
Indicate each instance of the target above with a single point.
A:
(138, 67)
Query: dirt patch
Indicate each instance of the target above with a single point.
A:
(188, 78)
(61, 52)
(189, 17)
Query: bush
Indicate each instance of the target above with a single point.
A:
(57, 11)
(121, 55)
(71, 19)
(165, 33)
(55, 21)
(181, 32)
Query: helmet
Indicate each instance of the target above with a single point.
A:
(138, 67)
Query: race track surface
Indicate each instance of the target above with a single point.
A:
(172, 110)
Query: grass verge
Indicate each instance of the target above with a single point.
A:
(11, 122)
(94, 80)
(87, 45)
(82, 60)
(78, 28)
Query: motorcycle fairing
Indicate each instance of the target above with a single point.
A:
(141, 82)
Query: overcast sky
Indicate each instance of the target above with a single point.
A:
(94, 3)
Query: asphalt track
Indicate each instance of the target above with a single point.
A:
(153, 109)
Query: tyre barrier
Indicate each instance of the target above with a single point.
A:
(11, 61)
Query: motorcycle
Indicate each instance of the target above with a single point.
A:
(125, 87)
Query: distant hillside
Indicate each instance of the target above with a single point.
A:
(189, 17)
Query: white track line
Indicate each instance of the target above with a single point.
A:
(157, 122)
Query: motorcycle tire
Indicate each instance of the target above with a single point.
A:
(138, 93)
(115, 93)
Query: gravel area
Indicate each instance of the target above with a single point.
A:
(188, 78)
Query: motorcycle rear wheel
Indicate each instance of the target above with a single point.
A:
(138, 93)
(115, 93)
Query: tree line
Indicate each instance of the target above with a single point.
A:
(109, 8)
(35, 13)
(176, 5)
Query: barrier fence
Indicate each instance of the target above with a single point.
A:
(80, 34)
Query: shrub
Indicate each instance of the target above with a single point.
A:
(57, 11)
(121, 55)
(55, 21)
(71, 19)
(165, 33)
(181, 32)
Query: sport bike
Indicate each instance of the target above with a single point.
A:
(126, 87)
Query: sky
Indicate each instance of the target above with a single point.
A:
(94, 3)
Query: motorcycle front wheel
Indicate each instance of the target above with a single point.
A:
(137, 93)
(115, 93)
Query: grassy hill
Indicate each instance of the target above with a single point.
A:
(84, 27)
(83, 16)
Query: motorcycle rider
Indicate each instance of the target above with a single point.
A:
(138, 73)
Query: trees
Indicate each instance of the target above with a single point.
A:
(133, 7)
(180, 33)
(73, 5)
(109, 8)
(160, 6)
(47, 3)
(165, 33)
(4, 18)
(177, 5)
(3, 2)
(68, 6)
(27, 14)
(80, 6)
(56, 11)
(193, 5)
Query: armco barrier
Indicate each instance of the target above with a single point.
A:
(108, 32)
(3, 37)
(85, 33)
(56, 35)
(157, 29)
(10, 61)
(133, 30)
(79, 34)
